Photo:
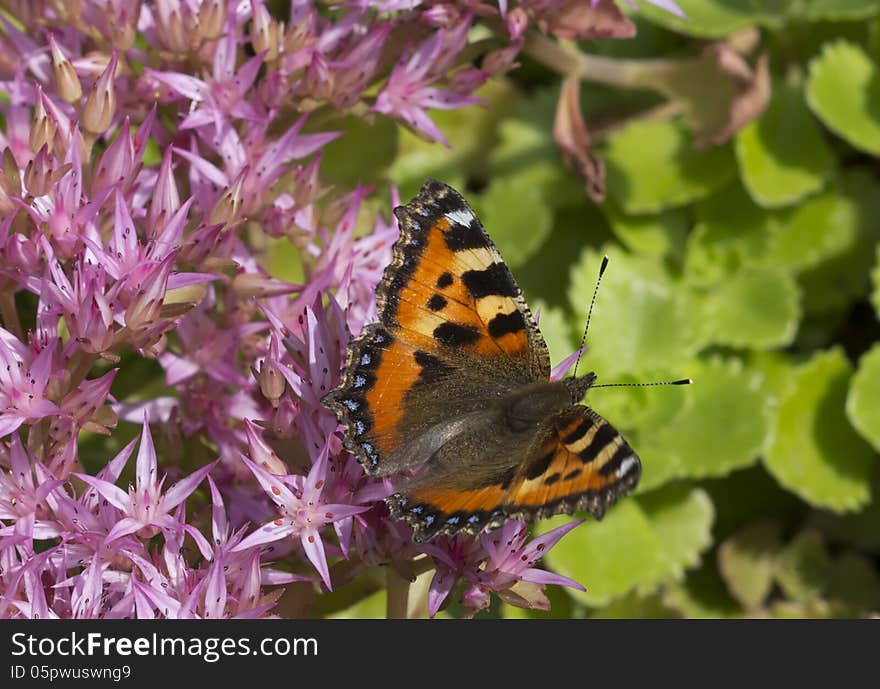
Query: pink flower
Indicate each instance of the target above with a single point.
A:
(302, 509)
(408, 92)
(512, 561)
(145, 509)
(24, 376)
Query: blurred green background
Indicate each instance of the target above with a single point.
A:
(751, 266)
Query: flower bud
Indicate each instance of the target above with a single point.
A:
(226, 209)
(248, 285)
(262, 453)
(10, 181)
(121, 17)
(172, 26)
(41, 173)
(442, 16)
(266, 33)
(212, 17)
(101, 104)
(42, 131)
(67, 83)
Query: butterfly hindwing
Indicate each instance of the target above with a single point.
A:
(583, 464)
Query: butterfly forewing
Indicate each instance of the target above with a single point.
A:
(448, 283)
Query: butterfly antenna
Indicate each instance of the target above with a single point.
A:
(590, 312)
(683, 381)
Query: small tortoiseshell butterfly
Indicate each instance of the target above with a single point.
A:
(451, 389)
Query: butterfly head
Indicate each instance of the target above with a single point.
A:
(577, 387)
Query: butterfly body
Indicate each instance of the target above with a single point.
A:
(450, 391)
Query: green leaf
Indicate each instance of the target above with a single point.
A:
(574, 228)
(372, 607)
(717, 18)
(732, 233)
(642, 324)
(804, 567)
(757, 309)
(376, 146)
(634, 606)
(747, 496)
(855, 581)
(641, 543)
(807, 572)
(813, 609)
(859, 529)
(844, 276)
(652, 165)
(823, 226)
(657, 235)
(747, 561)
(843, 90)
(777, 372)
(527, 152)
(863, 400)
(814, 451)
(513, 212)
(823, 240)
(720, 427)
(782, 155)
(702, 595)
(841, 10)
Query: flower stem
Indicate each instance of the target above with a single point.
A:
(572, 62)
(398, 595)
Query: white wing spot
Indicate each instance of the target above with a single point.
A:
(461, 217)
(626, 465)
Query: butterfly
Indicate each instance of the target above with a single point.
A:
(449, 393)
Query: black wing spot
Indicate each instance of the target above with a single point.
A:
(505, 478)
(506, 323)
(553, 478)
(433, 369)
(494, 280)
(444, 280)
(539, 466)
(456, 335)
(461, 238)
(437, 302)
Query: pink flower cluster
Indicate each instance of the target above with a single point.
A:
(151, 152)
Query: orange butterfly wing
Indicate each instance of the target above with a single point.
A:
(584, 465)
(445, 297)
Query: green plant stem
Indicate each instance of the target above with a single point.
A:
(398, 595)
(604, 70)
